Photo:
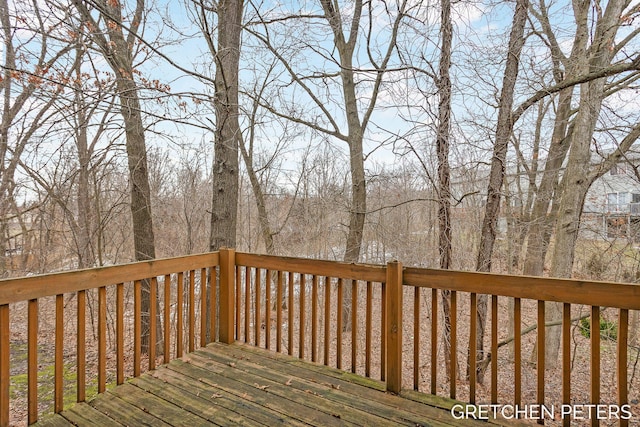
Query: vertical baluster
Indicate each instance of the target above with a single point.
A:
(303, 316)
(179, 307)
(383, 331)
(434, 341)
(623, 337)
(59, 356)
(454, 344)
(494, 349)
(256, 323)
(102, 339)
(517, 344)
(32, 366)
(192, 310)
(203, 307)
(354, 325)
(238, 301)
(81, 354)
(367, 332)
(213, 289)
(120, 333)
(314, 318)
(153, 324)
(137, 326)
(267, 310)
(167, 318)
(247, 303)
(279, 313)
(566, 359)
(339, 325)
(4, 364)
(595, 361)
(416, 338)
(327, 318)
(290, 315)
(473, 349)
(540, 356)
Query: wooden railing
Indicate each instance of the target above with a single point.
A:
(61, 307)
(298, 306)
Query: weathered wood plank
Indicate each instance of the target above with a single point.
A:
(366, 393)
(161, 409)
(210, 405)
(257, 395)
(243, 385)
(251, 412)
(54, 420)
(83, 414)
(314, 394)
(116, 408)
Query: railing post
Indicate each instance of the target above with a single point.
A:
(227, 293)
(394, 326)
(4, 365)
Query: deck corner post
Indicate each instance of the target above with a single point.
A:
(393, 327)
(227, 295)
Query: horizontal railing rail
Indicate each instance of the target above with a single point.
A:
(605, 294)
(381, 322)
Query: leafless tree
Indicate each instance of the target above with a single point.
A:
(504, 128)
(28, 93)
(106, 27)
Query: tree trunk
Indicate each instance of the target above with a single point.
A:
(578, 176)
(86, 257)
(444, 174)
(504, 129)
(541, 223)
(355, 129)
(226, 166)
(256, 188)
(118, 52)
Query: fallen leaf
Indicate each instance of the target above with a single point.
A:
(233, 365)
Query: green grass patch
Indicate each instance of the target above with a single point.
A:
(608, 329)
(18, 387)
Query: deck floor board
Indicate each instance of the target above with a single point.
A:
(243, 385)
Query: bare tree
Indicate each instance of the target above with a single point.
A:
(353, 109)
(225, 167)
(25, 74)
(504, 128)
(444, 172)
(104, 19)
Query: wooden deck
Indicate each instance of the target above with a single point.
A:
(242, 385)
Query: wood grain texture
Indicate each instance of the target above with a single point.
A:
(32, 287)
(604, 294)
(240, 384)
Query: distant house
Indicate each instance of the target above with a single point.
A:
(612, 207)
